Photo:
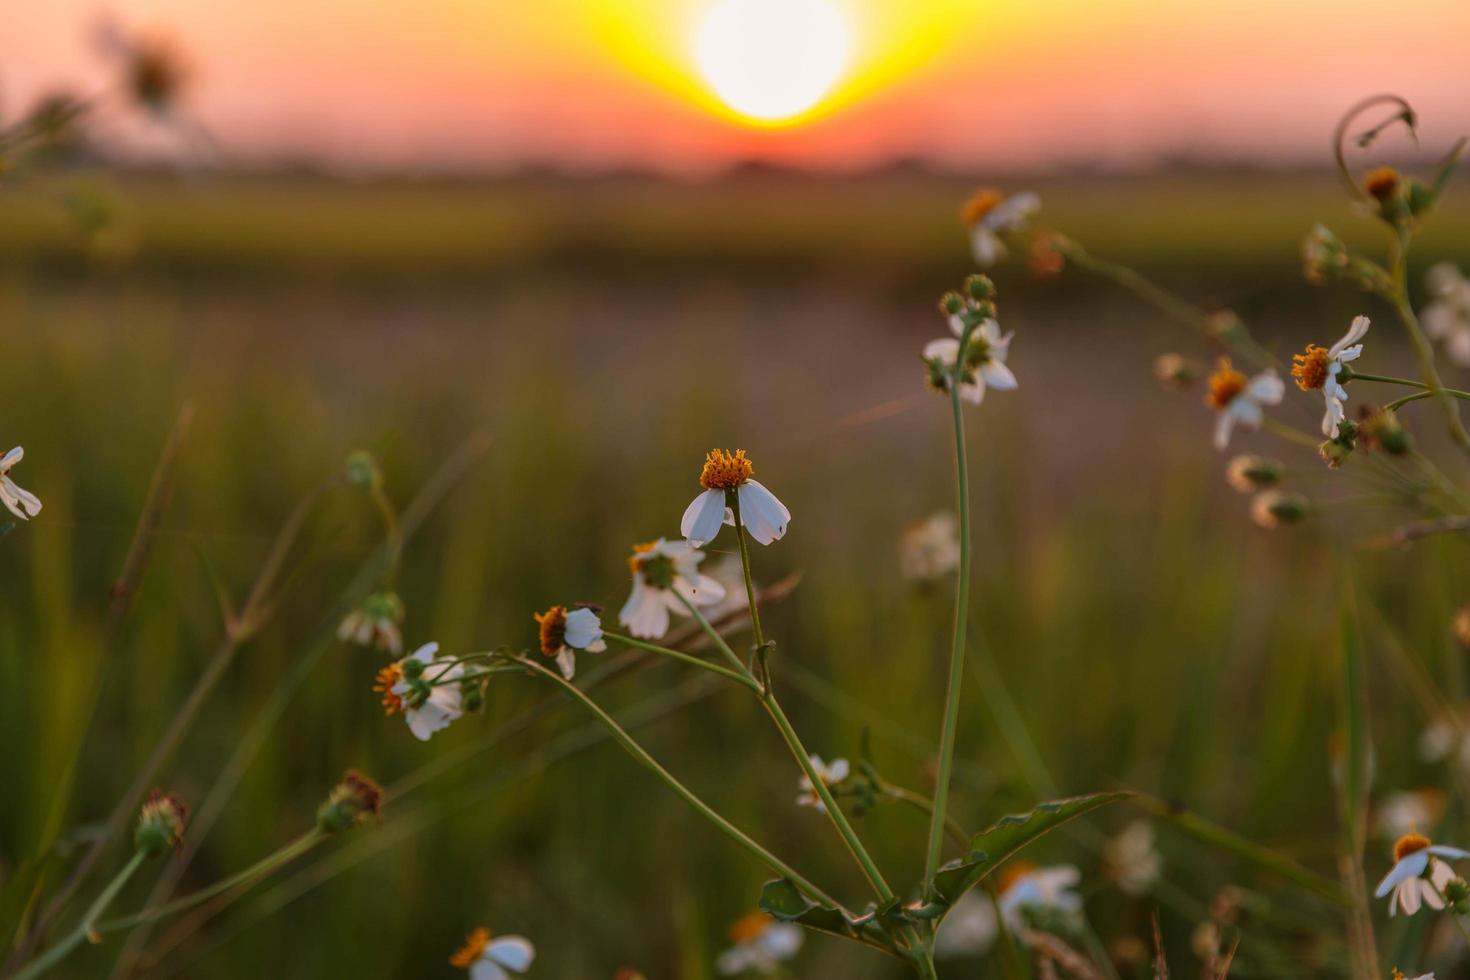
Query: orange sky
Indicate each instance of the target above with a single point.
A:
(596, 83)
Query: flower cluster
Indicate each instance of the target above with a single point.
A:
(974, 358)
(490, 958)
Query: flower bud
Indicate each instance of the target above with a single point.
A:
(1379, 428)
(1457, 896)
(413, 668)
(352, 800)
(362, 470)
(979, 287)
(1334, 452)
(1173, 371)
(985, 309)
(1272, 508)
(1324, 256)
(951, 303)
(160, 824)
(1251, 473)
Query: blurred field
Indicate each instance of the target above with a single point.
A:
(606, 333)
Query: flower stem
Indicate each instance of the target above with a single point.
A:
(741, 678)
(922, 803)
(84, 928)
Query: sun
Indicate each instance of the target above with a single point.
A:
(771, 61)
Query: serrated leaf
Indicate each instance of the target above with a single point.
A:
(781, 899)
(989, 848)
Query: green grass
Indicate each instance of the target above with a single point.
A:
(606, 334)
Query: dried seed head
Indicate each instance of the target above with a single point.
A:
(352, 800)
(1273, 508)
(160, 823)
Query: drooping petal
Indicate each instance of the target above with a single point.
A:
(583, 629)
(431, 717)
(566, 660)
(426, 653)
(1411, 866)
(1355, 333)
(644, 613)
(1266, 387)
(1223, 424)
(839, 771)
(512, 952)
(764, 515)
(702, 517)
(997, 375)
(944, 350)
(11, 458)
(1445, 851)
(483, 969)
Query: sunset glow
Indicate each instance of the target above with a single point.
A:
(772, 60)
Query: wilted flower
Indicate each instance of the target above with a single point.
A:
(160, 824)
(429, 695)
(1238, 399)
(930, 548)
(493, 959)
(662, 572)
(153, 72)
(563, 633)
(1174, 371)
(1251, 473)
(1417, 874)
(1045, 258)
(985, 358)
(1026, 886)
(375, 624)
(21, 503)
(1380, 428)
(351, 801)
(1447, 316)
(1272, 508)
(759, 943)
(969, 928)
(1319, 367)
(989, 214)
(1131, 860)
(764, 517)
(1412, 811)
(829, 775)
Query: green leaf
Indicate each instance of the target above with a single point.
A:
(990, 848)
(783, 900)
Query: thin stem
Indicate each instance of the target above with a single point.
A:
(84, 928)
(739, 678)
(740, 536)
(923, 804)
(712, 633)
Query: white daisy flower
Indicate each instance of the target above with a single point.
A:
(989, 214)
(1417, 875)
(930, 548)
(829, 775)
(1446, 739)
(1238, 399)
(375, 624)
(424, 692)
(1319, 368)
(22, 503)
(1408, 812)
(969, 928)
(493, 959)
(662, 572)
(1131, 859)
(563, 633)
(985, 358)
(1031, 887)
(764, 517)
(760, 943)
(1447, 316)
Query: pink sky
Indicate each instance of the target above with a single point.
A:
(493, 83)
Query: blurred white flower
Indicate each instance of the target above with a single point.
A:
(1446, 739)
(764, 517)
(1417, 874)
(989, 214)
(1408, 812)
(1030, 887)
(930, 548)
(759, 943)
(1319, 367)
(662, 572)
(562, 633)
(969, 928)
(21, 503)
(1131, 859)
(1237, 399)
(829, 775)
(375, 624)
(985, 358)
(1447, 316)
(426, 693)
(493, 959)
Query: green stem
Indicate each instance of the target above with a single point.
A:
(740, 537)
(1427, 392)
(1423, 349)
(84, 928)
(739, 678)
(713, 634)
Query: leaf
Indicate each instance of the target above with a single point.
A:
(783, 900)
(990, 848)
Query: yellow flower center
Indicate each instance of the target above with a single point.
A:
(750, 927)
(1409, 844)
(553, 623)
(1225, 384)
(1013, 873)
(980, 204)
(1381, 182)
(1310, 369)
(387, 677)
(474, 945)
(724, 470)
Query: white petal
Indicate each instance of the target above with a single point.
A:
(781, 940)
(486, 970)
(702, 517)
(764, 516)
(1458, 346)
(430, 718)
(512, 952)
(997, 375)
(839, 771)
(1412, 866)
(567, 661)
(1266, 387)
(1223, 424)
(732, 961)
(1355, 333)
(956, 326)
(11, 458)
(582, 629)
(985, 248)
(944, 350)
(1350, 354)
(1444, 851)
(426, 653)
(973, 391)
(644, 613)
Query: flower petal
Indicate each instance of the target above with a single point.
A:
(702, 517)
(512, 952)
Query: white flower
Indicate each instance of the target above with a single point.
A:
(829, 775)
(563, 633)
(493, 959)
(1417, 875)
(425, 692)
(1446, 738)
(985, 358)
(1319, 368)
(930, 548)
(1131, 859)
(662, 572)
(764, 517)
(1447, 318)
(760, 943)
(988, 214)
(1049, 887)
(1238, 399)
(375, 624)
(1413, 811)
(969, 928)
(22, 503)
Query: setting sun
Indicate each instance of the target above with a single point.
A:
(772, 60)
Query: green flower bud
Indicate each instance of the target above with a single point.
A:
(979, 287)
(160, 824)
(352, 800)
(951, 304)
(1251, 473)
(1273, 508)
